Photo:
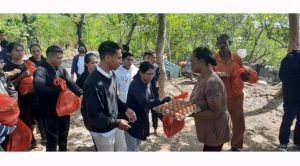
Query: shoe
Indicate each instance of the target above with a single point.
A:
(236, 149)
(282, 148)
(155, 133)
(43, 142)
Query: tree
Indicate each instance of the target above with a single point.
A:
(30, 28)
(293, 31)
(79, 21)
(161, 36)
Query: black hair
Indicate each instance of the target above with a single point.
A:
(13, 45)
(148, 52)
(34, 45)
(126, 54)
(107, 48)
(205, 54)
(54, 49)
(82, 45)
(145, 66)
(87, 59)
(224, 36)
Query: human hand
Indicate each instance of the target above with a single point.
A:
(131, 115)
(123, 125)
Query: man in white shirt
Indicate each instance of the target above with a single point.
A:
(125, 74)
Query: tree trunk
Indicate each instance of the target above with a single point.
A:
(31, 36)
(293, 31)
(80, 28)
(133, 25)
(159, 51)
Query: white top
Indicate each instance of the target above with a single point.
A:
(111, 132)
(124, 78)
(80, 65)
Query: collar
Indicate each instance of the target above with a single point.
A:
(108, 75)
(218, 56)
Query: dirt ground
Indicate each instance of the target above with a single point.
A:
(263, 112)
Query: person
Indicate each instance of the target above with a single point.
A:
(6, 87)
(289, 74)
(25, 102)
(90, 61)
(36, 51)
(124, 74)
(151, 57)
(78, 62)
(37, 58)
(3, 48)
(209, 95)
(103, 112)
(226, 63)
(56, 128)
(141, 101)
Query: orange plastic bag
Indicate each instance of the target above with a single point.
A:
(9, 110)
(172, 126)
(253, 76)
(183, 95)
(26, 84)
(237, 84)
(67, 102)
(20, 139)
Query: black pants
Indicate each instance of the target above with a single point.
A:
(37, 119)
(57, 130)
(290, 113)
(207, 148)
(26, 107)
(155, 116)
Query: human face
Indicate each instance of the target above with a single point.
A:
(147, 76)
(56, 59)
(1, 36)
(92, 64)
(81, 50)
(127, 62)
(115, 60)
(152, 58)
(196, 64)
(17, 53)
(36, 52)
(223, 44)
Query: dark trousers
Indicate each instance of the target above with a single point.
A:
(290, 113)
(37, 119)
(57, 130)
(207, 148)
(155, 116)
(26, 107)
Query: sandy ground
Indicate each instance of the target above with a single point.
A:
(263, 115)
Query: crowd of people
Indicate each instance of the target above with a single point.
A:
(117, 97)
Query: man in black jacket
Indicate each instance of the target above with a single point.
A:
(151, 57)
(3, 44)
(289, 74)
(57, 128)
(103, 112)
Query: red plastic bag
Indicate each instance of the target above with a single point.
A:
(26, 84)
(20, 139)
(253, 76)
(67, 102)
(9, 110)
(237, 84)
(183, 95)
(172, 126)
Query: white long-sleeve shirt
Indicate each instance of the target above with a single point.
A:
(124, 78)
